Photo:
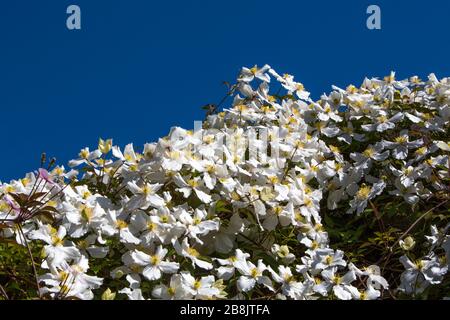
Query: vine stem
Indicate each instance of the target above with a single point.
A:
(290, 161)
(415, 223)
(31, 257)
(3, 292)
(391, 248)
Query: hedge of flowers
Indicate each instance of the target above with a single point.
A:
(277, 197)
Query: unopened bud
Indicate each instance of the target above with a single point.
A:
(108, 295)
(104, 145)
(408, 243)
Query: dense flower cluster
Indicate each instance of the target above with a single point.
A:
(234, 209)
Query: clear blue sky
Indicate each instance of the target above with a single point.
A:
(138, 67)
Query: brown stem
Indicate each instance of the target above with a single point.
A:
(391, 248)
(416, 222)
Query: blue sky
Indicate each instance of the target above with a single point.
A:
(138, 67)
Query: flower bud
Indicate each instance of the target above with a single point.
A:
(104, 146)
(108, 295)
(408, 243)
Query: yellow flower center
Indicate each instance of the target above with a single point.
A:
(56, 241)
(86, 213)
(407, 171)
(320, 125)
(83, 244)
(63, 275)
(52, 203)
(154, 260)
(128, 157)
(421, 151)
(147, 190)
(193, 183)
(318, 227)
(308, 202)
(288, 278)
(401, 139)
(3, 206)
(278, 210)
(337, 279)
(211, 169)
(299, 144)
(84, 154)
(363, 192)
(299, 217)
(265, 109)
(334, 149)
(419, 264)
(235, 196)
(352, 89)
(369, 152)
(151, 226)
(174, 155)
(382, 119)
(208, 139)
(193, 252)
(328, 259)
(241, 107)
(197, 284)
(121, 224)
(171, 291)
(274, 179)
